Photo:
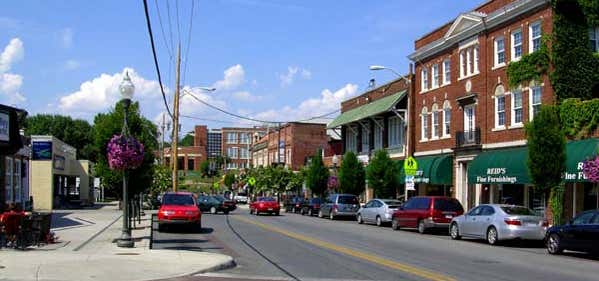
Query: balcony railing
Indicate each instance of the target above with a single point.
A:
(467, 138)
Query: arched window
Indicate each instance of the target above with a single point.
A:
(435, 132)
(446, 118)
(424, 124)
(499, 107)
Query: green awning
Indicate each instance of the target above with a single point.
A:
(576, 153)
(431, 170)
(502, 166)
(367, 110)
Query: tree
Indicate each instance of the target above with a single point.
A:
(187, 140)
(296, 181)
(383, 175)
(351, 175)
(205, 168)
(109, 124)
(318, 175)
(229, 179)
(162, 179)
(546, 156)
(77, 133)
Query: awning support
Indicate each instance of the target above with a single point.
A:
(378, 123)
(405, 112)
(365, 126)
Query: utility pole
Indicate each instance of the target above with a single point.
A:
(162, 142)
(175, 144)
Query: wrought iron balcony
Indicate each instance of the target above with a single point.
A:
(467, 138)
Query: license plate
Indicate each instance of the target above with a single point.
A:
(270, 209)
(531, 224)
(448, 216)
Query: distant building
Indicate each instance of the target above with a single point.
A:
(236, 143)
(214, 143)
(190, 157)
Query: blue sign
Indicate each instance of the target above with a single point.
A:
(41, 150)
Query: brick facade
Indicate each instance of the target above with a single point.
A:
(236, 142)
(298, 141)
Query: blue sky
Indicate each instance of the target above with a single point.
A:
(269, 59)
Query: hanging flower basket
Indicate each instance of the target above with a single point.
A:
(590, 169)
(124, 153)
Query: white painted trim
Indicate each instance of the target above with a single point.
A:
(433, 152)
(504, 144)
(468, 43)
(465, 158)
(395, 155)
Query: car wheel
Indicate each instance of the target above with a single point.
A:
(198, 227)
(161, 227)
(454, 231)
(277, 213)
(554, 244)
(360, 221)
(395, 224)
(379, 222)
(492, 236)
(310, 212)
(213, 210)
(331, 216)
(293, 210)
(320, 214)
(421, 227)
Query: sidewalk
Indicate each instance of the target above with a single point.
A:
(87, 252)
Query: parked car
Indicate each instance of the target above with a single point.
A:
(265, 205)
(179, 208)
(378, 211)
(579, 234)
(210, 204)
(339, 205)
(311, 207)
(241, 198)
(426, 212)
(497, 222)
(294, 204)
(230, 204)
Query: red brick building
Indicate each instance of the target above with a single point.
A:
(293, 143)
(190, 157)
(236, 143)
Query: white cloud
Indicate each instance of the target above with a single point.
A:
(234, 77)
(72, 64)
(13, 52)
(245, 96)
(289, 77)
(102, 92)
(327, 102)
(191, 106)
(66, 37)
(10, 84)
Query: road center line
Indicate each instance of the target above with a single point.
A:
(354, 253)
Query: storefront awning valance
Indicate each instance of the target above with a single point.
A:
(376, 107)
(576, 153)
(432, 170)
(502, 166)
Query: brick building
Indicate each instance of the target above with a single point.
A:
(293, 143)
(214, 147)
(236, 143)
(469, 137)
(190, 157)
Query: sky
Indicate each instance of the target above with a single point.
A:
(276, 60)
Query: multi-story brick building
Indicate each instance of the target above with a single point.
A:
(469, 136)
(190, 157)
(214, 147)
(293, 143)
(236, 143)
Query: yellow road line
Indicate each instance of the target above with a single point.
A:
(354, 253)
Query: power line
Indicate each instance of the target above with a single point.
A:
(170, 52)
(170, 26)
(188, 41)
(155, 58)
(212, 120)
(178, 24)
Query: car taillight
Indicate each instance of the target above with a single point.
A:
(261, 205)
(316, 205)
(335, 207)
(545, 223)
(512, 222)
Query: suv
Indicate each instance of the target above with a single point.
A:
(241, 198)
(311, 206)
(294, 204)
(338, 205)
(426, 212)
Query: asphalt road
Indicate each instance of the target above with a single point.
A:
(295, 247)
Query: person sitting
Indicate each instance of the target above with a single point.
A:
(11, 219)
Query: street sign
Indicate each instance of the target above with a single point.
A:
(410, 183)
(252, 181)
(410, 166)
(215, 185)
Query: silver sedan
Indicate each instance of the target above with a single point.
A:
(378, 211)
(495, 222)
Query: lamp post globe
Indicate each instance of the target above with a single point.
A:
(127, 89)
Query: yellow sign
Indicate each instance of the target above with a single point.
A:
(410, 166)
(252, 181)
(215, 185)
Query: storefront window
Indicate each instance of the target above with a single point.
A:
(590, 197)
(512, 194)
(536, 200)
(8, 179)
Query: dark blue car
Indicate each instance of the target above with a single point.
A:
(580, 234)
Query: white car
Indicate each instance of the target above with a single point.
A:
(241, 198)
(378, 211)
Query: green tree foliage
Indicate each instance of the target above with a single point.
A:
(229, 179)
(317, 175)
(162, 179)
(187, 140)
(383, 175)
(75, 132)
(296, 181)
(351, 175)
(579, 119)
(109, 124)
(205, 168)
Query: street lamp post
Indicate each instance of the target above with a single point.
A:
(335, 163)
(127, 89)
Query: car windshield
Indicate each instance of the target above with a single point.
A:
(177, 199)
(315, 200)
(220, 198)
(518, 211)
(266, 199)
(242, 194)
(450, 205)
(393, 204)
(347, 200)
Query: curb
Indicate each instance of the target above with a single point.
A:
(230, 263)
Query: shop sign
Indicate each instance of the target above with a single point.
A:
(4, 127)
(496, 175)
(410, 183)
(578, 176)
(42, 150)
(59, 162)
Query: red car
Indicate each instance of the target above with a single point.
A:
(265, 205)
(427, 212)
(179, 208)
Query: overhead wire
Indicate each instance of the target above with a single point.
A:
(178, 24)
(155, 58)
(170, 26)
(188, 41)
(164, 39)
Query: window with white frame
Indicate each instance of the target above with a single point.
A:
(516, 44)
(535, 101)
(462, 63)
(8, 178)
(244, 138)
(231, 165)
(446, 72)
(232, 152)
(351, 140)
(476, 58)
(424, 75)
(435, 121)
(232, 138)
(499, 51)
(594, 39)
(469, 60)
(365, 138)
(446, 118)
(378, 136)
(535, 36)
(424, 124)
(499, 111)
(243, 153)
(395, 136)
(517, 107)
(436, 78)
(288, 157)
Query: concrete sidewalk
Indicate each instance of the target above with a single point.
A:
(87, 251)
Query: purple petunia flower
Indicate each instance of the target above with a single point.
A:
(124, 153)
(590, 169)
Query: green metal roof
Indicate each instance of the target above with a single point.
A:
(432, 170)
(502, 166)
(367, 110)
(576, 153)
